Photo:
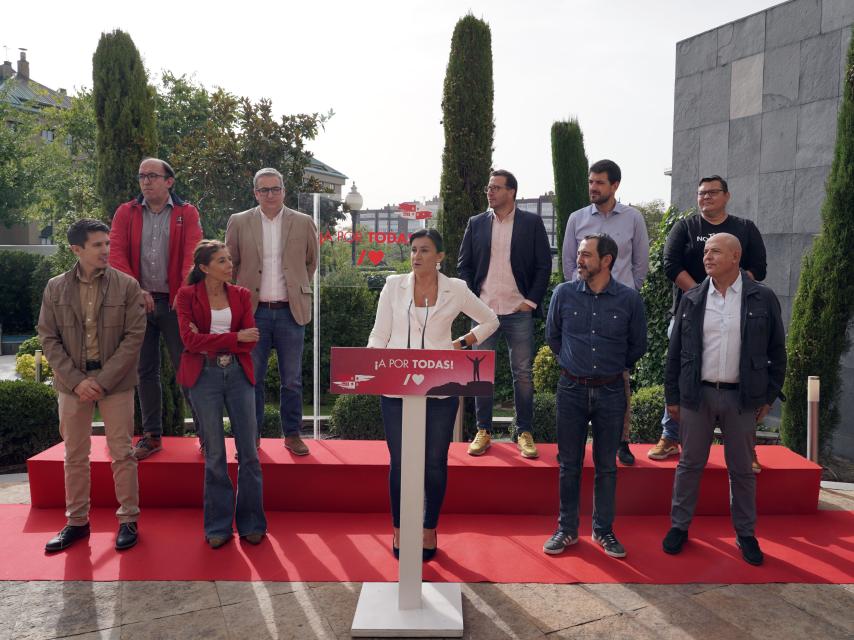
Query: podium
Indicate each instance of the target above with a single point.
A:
(409, 607)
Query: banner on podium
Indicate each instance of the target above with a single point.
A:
(412, 372)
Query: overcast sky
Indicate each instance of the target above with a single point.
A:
(380, 66)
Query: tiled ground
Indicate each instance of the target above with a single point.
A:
(247, 610)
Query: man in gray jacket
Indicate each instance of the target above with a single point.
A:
(725, 364)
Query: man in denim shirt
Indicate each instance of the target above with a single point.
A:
(597, 329)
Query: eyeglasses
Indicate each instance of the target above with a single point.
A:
(709, 194)
(267, 190)
(151, 177)
(493, 188)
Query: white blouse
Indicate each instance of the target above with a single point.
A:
(220, 320)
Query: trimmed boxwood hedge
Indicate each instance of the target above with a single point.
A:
(29, 421)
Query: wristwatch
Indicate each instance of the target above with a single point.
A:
(463, 344)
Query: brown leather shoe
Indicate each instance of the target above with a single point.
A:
(254, 538)
(296, 446)
(216, 542)
(147, 445)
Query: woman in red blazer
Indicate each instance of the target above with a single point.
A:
(218, 329)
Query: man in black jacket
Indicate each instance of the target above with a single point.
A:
(506, 260)
(683, 264)
(725, 364)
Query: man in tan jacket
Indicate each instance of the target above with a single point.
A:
(91, 326)
(274, 252)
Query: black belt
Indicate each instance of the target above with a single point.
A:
(728, 386)
(273, 305)
(157, 295)
(592, 382)
(221, 360)
(93, 365)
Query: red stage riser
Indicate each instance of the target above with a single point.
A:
(351, 476)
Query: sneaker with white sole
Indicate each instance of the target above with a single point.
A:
(608, 542)
(664, 449)
(558, 542)
(482, 441)
(525, 444)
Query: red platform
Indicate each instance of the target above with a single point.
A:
(352, 476)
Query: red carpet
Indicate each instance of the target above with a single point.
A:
(323, 547)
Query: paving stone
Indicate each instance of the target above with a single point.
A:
(557, 606)
(488, 614)
(809, 195)
(781, 76)
(836, 14)
(10, 588)
(816, 133)
(776, 202)
(761, 613)
(746, 86)
(779, 249)
(620, 627)
(714, 95)
(15, 493)
(230, 592)
(208, 624)
(683, 618)
(828, 602)
(56, 609)
(104, 634)
(714, 145)
(819, 73)
(745, 136)
(741, 39)
(149, 600)
(630, 597)
(336, 601)
(686, 101)
(792, 21)
(285, 616)
(686, 156)
(779, 140)
(744, 196)
(696, 54)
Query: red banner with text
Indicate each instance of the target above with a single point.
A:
(412, 372)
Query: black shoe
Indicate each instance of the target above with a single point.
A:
(127, 536)
(428, 554)
(750, 550)
(68, 536)
(674, 540)
(624, 455)
(559, 541)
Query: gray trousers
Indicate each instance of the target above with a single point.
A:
(697, 431)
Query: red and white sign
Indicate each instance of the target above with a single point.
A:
(408, 207)
(412, 372)
(417, 215)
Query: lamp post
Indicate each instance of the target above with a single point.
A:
(353, 202)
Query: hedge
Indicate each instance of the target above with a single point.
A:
(29, 421)
(16, 273)
(356, 417)
(647, 407)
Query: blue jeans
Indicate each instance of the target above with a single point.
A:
(229, 387)
(518, 331)
(441, 414)
(279, 330)
(604, 407)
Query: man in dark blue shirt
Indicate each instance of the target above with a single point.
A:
(597, 329)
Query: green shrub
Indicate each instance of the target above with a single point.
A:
(16, 272)
(30, 346)
(271, 427)
(546, 371)
(38, 281)
(356, 417)
(544, 426)
(25, 367)
(647, 406)
(29, 422)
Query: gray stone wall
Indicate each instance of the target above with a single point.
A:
(756, 101)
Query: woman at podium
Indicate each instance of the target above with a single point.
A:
(416, 311)
(218, 329)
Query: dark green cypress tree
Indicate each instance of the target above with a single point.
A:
(570, 170)
(467, 118)
(824, 304)
(124, 111)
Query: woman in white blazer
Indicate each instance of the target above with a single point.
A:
(416, 311)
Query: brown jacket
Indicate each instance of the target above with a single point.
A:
(299, 256)
(121, 329)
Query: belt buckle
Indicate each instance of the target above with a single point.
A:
(223, 360)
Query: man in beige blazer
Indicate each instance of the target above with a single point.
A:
(274, 251)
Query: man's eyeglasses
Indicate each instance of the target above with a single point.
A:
(711, 193)
(493, 188)
(267, 190)
(151, 177)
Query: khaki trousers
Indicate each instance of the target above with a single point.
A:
(75, 426)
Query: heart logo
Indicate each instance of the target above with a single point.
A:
(417, 378)
(376, 256)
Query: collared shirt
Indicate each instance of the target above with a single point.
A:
(722, 333)
(499, 290)
(626, 226)
(154, 254)
(273, 283)
(90, 306)
(596, 334)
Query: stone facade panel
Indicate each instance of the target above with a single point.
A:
(745, 136)
(836, 14)
(810, 190)
(686, 156)
(746, 86)
(781, 77)
(779, 140)
(778, 246)
(697, 54)
(816, 133)
(744, 192)
(686, 111)
(776, 202)
(741, 39)
(714, 147)
(819, 71)
(792, 21)
(714, 95)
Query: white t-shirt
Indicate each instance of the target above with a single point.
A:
(220, 320)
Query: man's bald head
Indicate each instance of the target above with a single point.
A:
(721, 256)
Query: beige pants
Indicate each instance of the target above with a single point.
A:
(75, 426)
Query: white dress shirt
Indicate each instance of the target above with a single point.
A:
(273, 286)
(499, 290)
(722, 334)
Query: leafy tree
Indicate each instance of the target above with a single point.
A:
(469, 127)
(824, 304)
(570, 172)
(124, 108)
(15, 181)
